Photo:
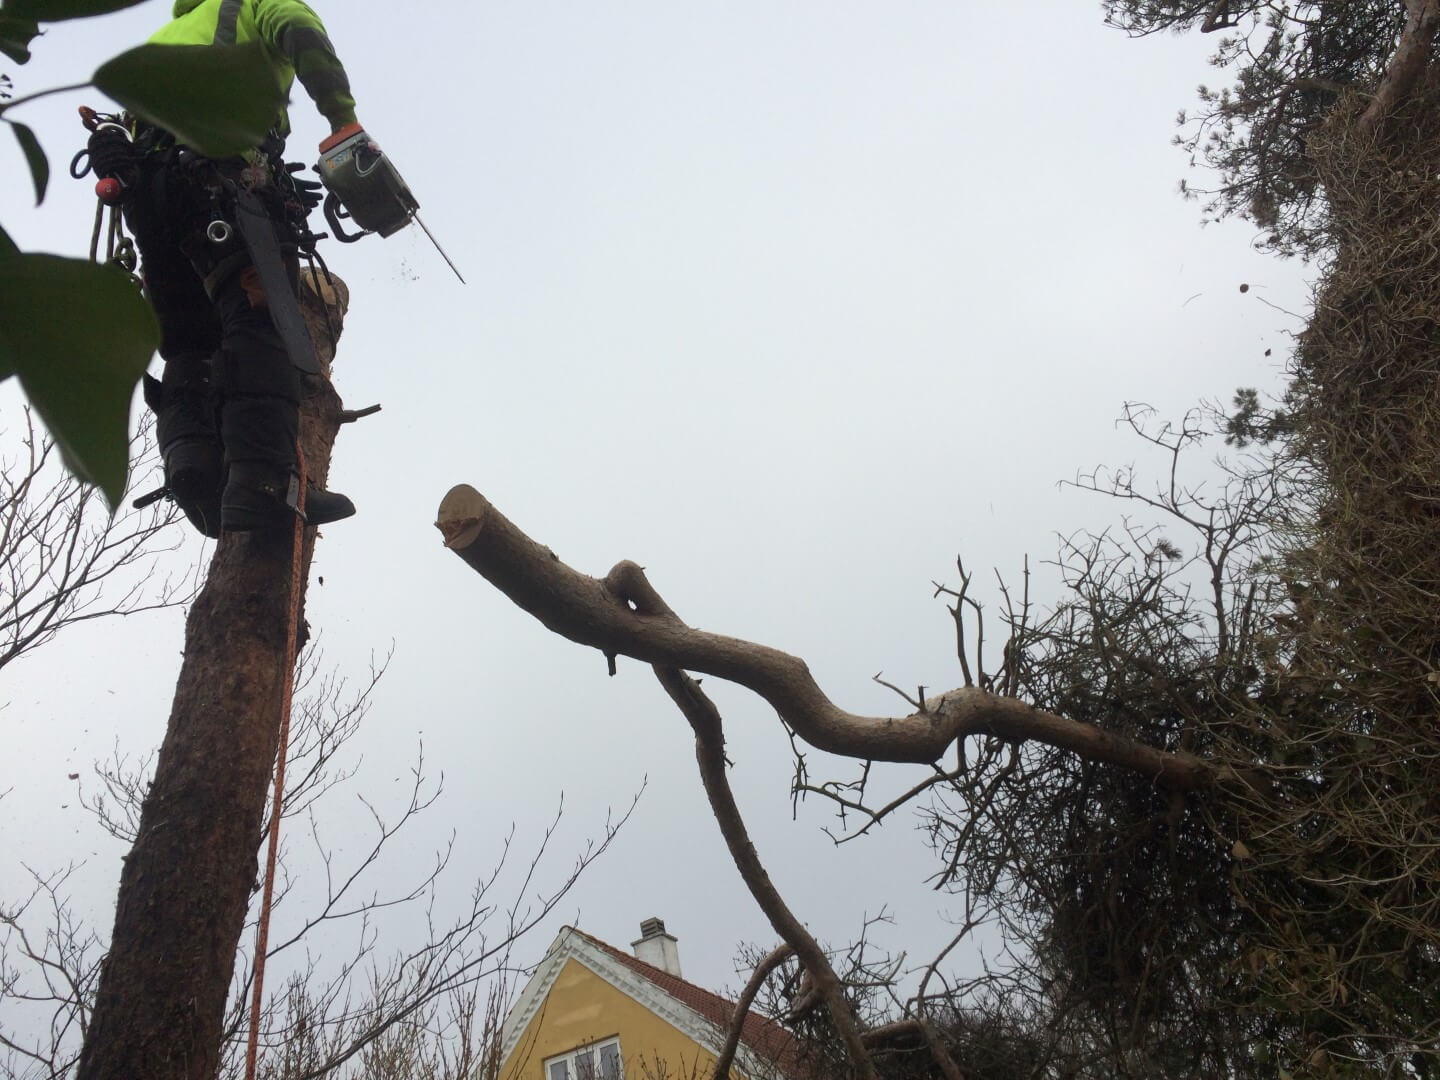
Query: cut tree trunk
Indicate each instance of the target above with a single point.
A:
(187, 882)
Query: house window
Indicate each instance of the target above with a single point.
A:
(596, 1061)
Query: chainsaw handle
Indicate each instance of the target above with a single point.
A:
(334, 212)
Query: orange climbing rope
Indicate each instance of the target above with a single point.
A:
(262, 931)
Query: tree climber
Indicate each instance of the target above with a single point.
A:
(218, 243)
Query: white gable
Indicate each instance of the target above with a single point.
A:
(570, 944)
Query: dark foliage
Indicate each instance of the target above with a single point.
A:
(1285, 65)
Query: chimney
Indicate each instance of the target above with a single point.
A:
(656, 947)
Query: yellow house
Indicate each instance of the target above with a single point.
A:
(594, 1012)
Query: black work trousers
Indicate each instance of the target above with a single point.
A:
(218, 340)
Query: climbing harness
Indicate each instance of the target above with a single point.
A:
(106, 155)
(277, 801)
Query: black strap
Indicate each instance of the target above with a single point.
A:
(225, 25)
(258, 232)
(150, 498)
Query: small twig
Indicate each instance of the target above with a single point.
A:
(958, 613)
(916, 703)
(349, 416)
(876, 816)
(43, 93)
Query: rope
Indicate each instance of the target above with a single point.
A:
(114, 238)
(95, 233)
(262, 931)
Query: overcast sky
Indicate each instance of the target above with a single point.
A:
(791, 303)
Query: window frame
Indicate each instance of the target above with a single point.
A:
(592, 1048)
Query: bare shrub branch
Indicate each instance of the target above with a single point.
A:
(63, 559)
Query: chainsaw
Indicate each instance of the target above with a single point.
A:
(365, 187)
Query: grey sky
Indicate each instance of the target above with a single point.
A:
(788, 302)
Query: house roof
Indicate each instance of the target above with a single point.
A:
(703, 1016)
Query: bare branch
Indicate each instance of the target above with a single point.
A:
(1218, 18)
(704, 719)
(624, 614)
(773, 959)
(63, 559)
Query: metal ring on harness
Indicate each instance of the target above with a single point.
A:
(219, 232)
(124, 256)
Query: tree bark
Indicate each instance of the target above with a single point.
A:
(186, 884)
(622, 614)
(1412, 57)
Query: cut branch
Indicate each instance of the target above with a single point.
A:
(623, 614)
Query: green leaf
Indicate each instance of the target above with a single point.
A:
(79, 336)
(7, 364)
(35, 158)
(16, 35)
(217, 99)
(56, 10)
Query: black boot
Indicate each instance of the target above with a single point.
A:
(189, 442)
(262, 487)
(261, 496)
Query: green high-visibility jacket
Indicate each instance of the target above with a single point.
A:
(294, 40)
